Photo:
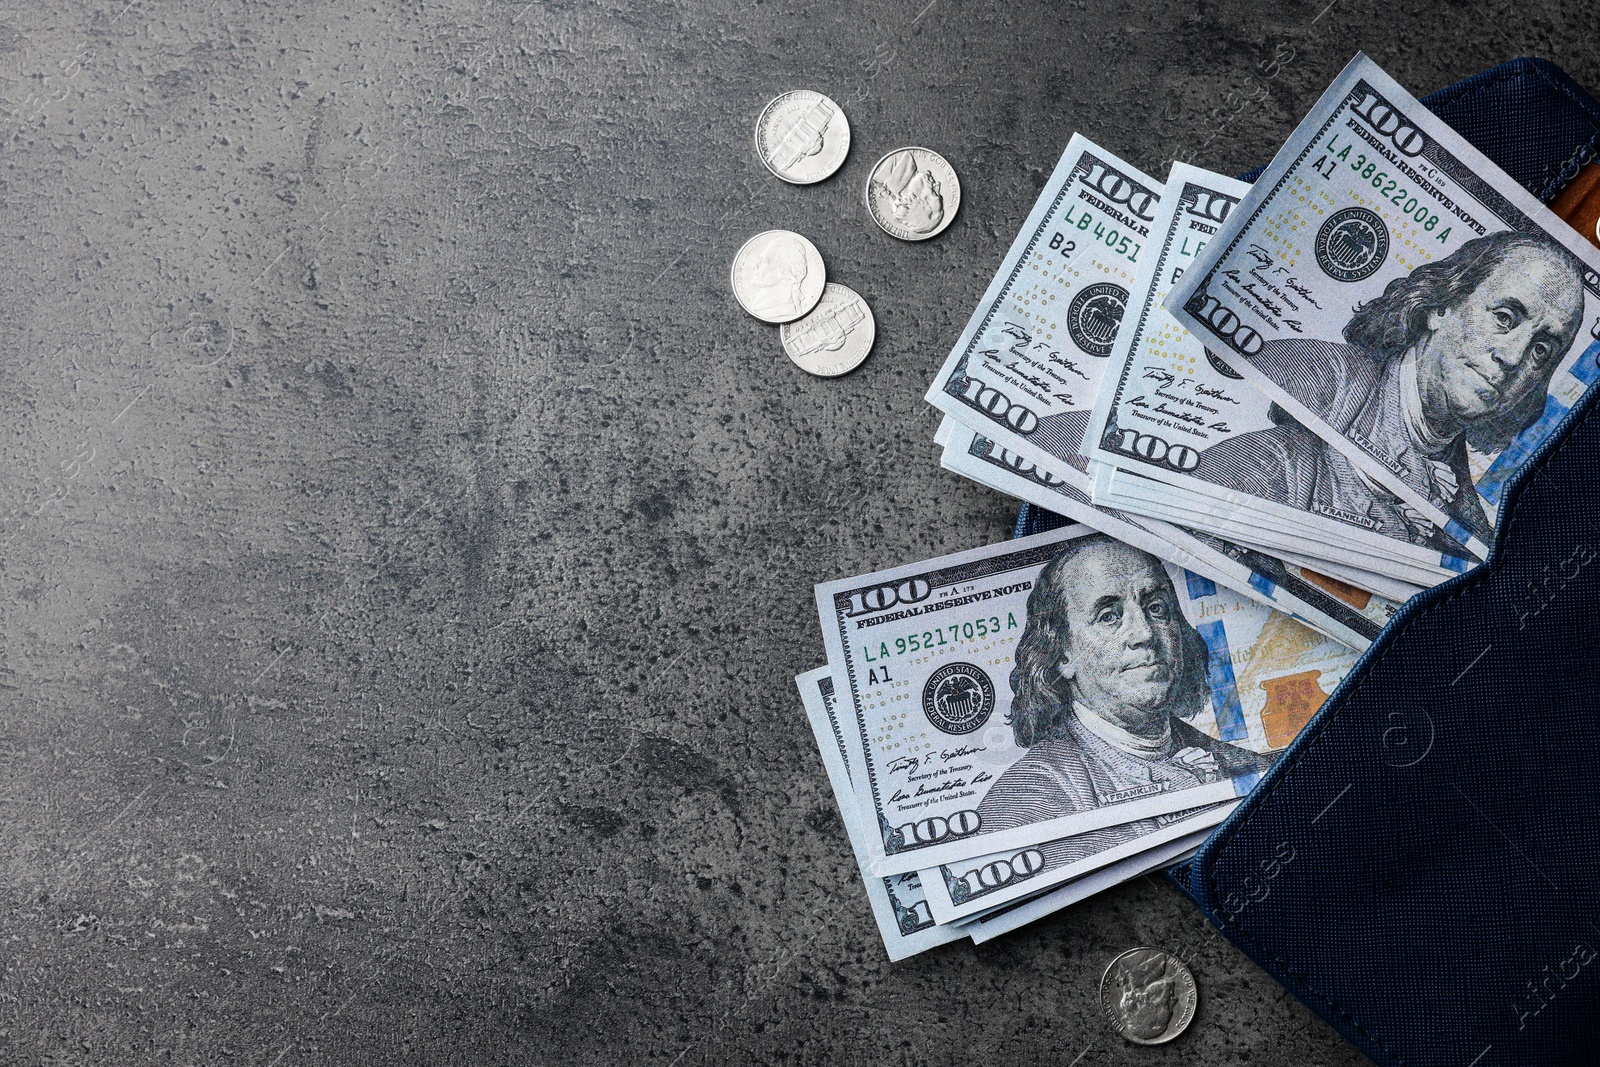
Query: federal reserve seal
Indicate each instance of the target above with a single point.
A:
(958, 698)
(1352, 244)
(1094, 315)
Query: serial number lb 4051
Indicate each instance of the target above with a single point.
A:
(997, 405)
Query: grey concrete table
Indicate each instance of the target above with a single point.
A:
(408, 541)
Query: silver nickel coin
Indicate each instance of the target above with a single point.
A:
(802, 137)
(912, 194)
(1148, 995)
(835, 338)
(778, 276)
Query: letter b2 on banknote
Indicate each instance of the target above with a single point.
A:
(1028, 365)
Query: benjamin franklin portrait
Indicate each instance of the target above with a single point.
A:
(1106, 674)
(1457, 353)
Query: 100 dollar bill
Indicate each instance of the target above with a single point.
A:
(1167, 403)
(1056, 684)
(1419, 314)
(898, 905)
(966, 888)
(1027, 367)
(905, 920)
(1133, 492)
(1002, 920)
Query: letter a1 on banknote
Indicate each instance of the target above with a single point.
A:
(1420, 318)
(1052, 685)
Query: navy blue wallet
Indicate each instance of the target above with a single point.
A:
(1420, 866)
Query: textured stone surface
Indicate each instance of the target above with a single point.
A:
(408, 541)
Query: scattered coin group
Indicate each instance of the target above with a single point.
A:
(778, 276)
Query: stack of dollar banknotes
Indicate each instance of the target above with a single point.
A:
(1273, 412)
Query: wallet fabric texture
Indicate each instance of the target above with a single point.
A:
(1419, 867)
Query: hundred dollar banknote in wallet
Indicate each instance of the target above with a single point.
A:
(1026, 368)
(1053, 685)
(1420, 320)
(1165, 400)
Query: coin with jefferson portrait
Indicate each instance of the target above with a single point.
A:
(802, 137)
(913, 193)
(835, 338)
(1148, 995)
(778, 276)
